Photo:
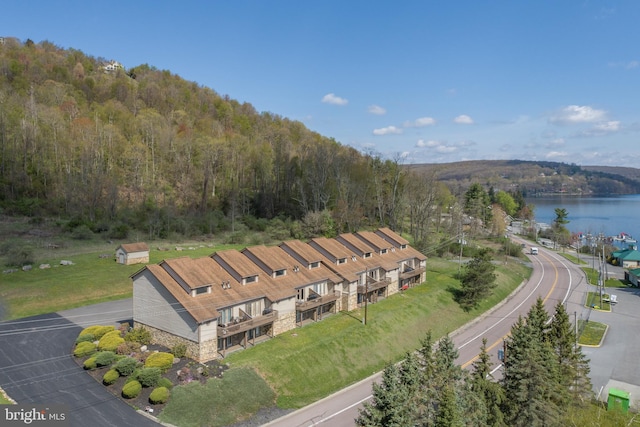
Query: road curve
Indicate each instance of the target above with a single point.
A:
(553, 279)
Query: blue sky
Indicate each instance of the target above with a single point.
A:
(429, 81)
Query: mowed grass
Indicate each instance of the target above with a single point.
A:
(306, 364)
(89, 280)
(592, 333)
(218, 402)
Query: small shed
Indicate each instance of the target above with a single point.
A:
(618, 399)
(132, 253)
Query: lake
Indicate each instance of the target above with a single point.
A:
(608, 215)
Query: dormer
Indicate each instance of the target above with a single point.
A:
(249, 279)
(280, 273)
(202, 290)
(314, 264)
(340, 261)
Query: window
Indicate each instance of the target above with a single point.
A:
(251, 279)
(315, 264)
(253, 308)
(383, 251)
(320, 288)
(202, 290)
(342, 260)
(225, 316)
(300, 295)
(403, 246)
(280, 272)
(367, 255)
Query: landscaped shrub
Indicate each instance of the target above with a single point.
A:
(90, 363)
(179, 350)
(149, 377)
(105, 358)
(161, 360)
(97, 330)
(131, 389)
(128, 348)
(140, 335)
(165, 382)
(159, 395)
(85, 337)
(110, 377)
(126, 366)
(85, 348)
(110, 341)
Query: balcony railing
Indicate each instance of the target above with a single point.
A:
(373, 285)
(316, 302)
(412, 273)
(247, 322)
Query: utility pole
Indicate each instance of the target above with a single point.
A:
(460, 256)
(575, 321)
(366, 296)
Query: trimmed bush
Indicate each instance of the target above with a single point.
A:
(149, 377)
(131, 389)
(161, 360)
(140, 335)
(97, 330)
(85, 338)
(165, 382)
(110, 341)
(90, 363)
(126, 366)
(159, 395)
(110, 377)
(105, 358)
(85, 348)
(179, 350)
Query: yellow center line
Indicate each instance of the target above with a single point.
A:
(501, 340)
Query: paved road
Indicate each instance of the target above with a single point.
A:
(554, 279)
(36, 366)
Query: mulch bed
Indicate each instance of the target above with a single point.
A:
(184, 370)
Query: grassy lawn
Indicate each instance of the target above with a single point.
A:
(574, 259)
(89, 281)
(593, 300)
(592, 333)
(306, 364)
(592, 276)
(220, 402)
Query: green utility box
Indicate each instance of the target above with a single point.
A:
(618, 399)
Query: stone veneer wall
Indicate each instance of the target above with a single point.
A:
(204, 352)
(284, 323)
(141, 260)
(352, 302)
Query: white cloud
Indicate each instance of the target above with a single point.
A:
(577, 114)
(377, 110)
(555, 154)
(387, 131)
(431, 143)
(463, 119)
(632, 64)
(331, 98)
(608, 127)
(421, 122)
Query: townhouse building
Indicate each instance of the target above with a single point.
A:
(234, 299)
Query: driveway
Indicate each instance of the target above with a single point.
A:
(36, 366)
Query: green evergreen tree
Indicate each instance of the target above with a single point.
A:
(477, 280)
(448, 408)
(389, 404)
(484, 387)
(572, 364)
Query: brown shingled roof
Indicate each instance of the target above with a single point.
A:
(392, 235)
(134, 247)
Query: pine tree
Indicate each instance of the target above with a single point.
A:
(448, 409)
(490, 392)
(530, 378)
(389, 404)
(477, 280)
(573, 365)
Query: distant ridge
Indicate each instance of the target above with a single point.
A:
(536, 177)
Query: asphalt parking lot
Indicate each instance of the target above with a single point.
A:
(615, 362)
(36, 366)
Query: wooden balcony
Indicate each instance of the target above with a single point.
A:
(373, 285)
(409, 273)
(246, 323)
(318, 301)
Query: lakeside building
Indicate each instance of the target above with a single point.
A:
(234, 299)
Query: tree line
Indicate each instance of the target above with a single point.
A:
(116, 150)
(545, 381)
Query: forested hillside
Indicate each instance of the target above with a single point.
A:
(83, 138)
(110, 149)
(536, 178)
